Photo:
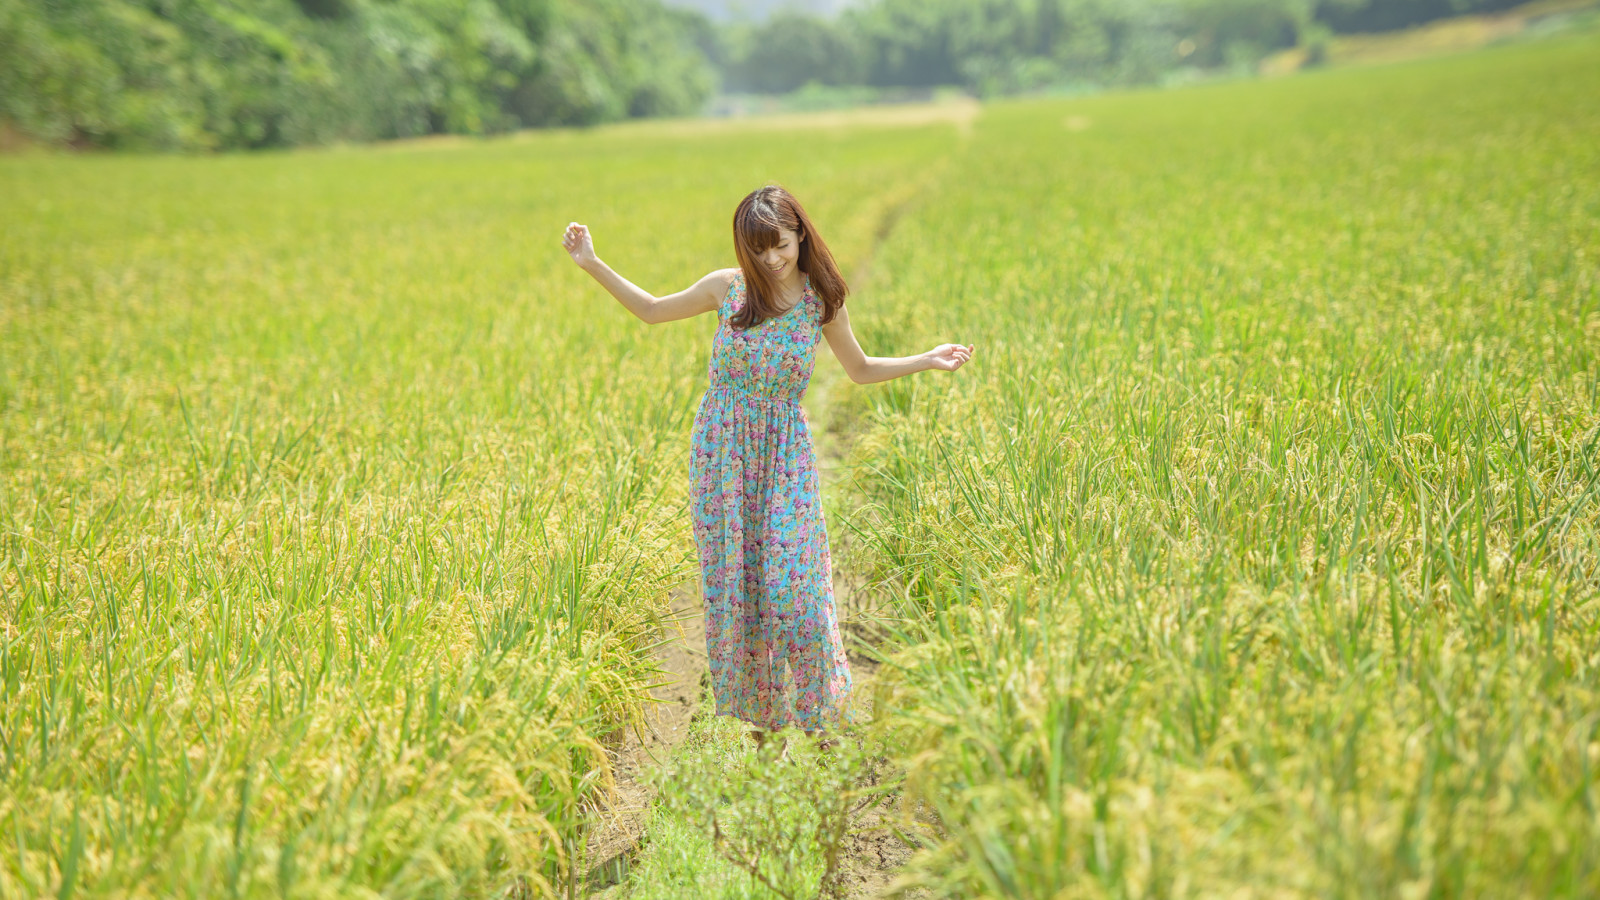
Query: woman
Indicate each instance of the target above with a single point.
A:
(772, 633)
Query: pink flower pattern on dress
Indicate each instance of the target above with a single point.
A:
(772, 633)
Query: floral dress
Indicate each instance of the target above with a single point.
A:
(772, 633)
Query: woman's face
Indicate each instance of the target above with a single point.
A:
(782, 257)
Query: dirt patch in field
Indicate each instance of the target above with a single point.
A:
(872, 858)
(616, 834)
(873, 852)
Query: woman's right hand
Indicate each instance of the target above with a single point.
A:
(579, 245)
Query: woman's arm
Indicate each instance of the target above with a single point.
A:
(864, 369)
(701, 297)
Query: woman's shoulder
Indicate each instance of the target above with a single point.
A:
(730, 279)
(724, 281)
(718, 280)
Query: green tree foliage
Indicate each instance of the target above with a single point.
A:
(1384, 15)
(790, 50)
(202, 74)
(1004, 46)
(606, 59)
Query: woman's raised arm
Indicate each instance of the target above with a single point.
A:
(701, 297)
(864, 369)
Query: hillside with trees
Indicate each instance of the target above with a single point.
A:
(993, 47)
(227, 74)
(757, 10)
(203, 74)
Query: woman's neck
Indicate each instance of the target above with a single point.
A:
(791, 288)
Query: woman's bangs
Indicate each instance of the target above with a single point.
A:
(758, 232)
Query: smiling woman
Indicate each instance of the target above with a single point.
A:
(371, 584)
(774, 239)
(772, 630)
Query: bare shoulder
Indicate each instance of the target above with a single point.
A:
(707, 294)
(724, 278)
(722, 281)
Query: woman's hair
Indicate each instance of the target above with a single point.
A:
(757, 225)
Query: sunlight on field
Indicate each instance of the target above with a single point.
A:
(1261, 557)
(337, 504)
(961, 112)
(1455, 34)
(1256, 554)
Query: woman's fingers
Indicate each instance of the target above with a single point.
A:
(956, 355)
(574, 238)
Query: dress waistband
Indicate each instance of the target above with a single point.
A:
(750, 395)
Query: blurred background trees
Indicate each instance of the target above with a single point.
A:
(1002, 46)
(199, 74)
(223, 74)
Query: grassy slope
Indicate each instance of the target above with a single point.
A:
(1257, 555)
(335, 502)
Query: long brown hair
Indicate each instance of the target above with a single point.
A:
(757, 224)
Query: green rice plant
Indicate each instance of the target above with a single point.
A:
(336, 513)
(1258, 553)
(735, 821)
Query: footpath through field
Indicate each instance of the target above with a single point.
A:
(340, 507)
(871, 853)
(1258, 553)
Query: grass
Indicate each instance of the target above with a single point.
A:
(1533, 21)
(1462, 32)
(732, 822)
(337, 509)
(1256, 554)
(1259, 556)
(739, 823)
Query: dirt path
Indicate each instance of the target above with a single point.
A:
(872, 853)
(615, 839)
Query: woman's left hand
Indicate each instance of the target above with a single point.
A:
(949, 357)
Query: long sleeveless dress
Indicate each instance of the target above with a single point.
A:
(772, 632)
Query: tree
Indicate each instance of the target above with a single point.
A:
(791, 50)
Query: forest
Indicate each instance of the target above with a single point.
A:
(197, 75)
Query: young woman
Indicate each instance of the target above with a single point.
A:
(772, 633)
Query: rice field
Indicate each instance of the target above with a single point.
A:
(1258, 554)
(1262, 557)
(336, 512)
